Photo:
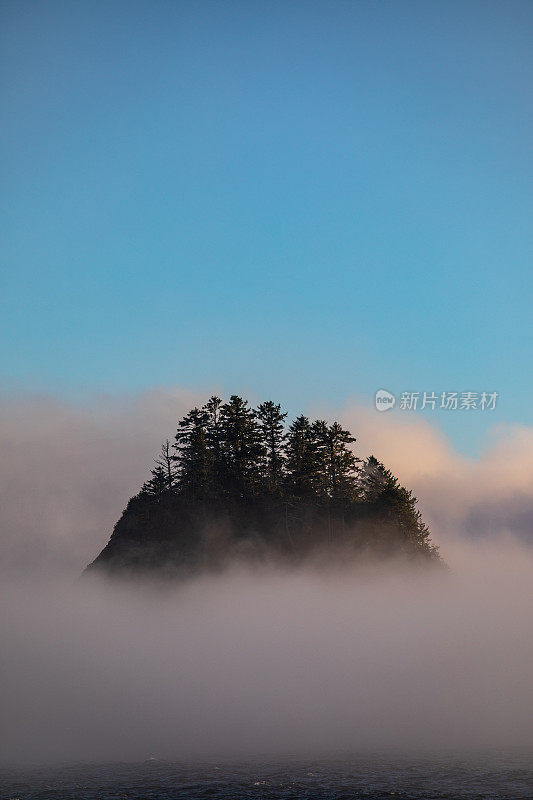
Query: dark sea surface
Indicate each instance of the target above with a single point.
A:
(493, 776)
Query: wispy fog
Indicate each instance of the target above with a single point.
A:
(67, 471)
(270, 663)
(245, 662)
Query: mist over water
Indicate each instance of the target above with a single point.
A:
(379, 659)
(371, 658)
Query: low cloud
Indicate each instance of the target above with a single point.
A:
(270, 662)
(69, 469)
(263, 662)
(488, 496)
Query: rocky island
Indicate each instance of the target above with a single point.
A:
(236, 484)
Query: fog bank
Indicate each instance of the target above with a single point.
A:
(268, 662)
(256, 662)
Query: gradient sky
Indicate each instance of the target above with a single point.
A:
(302, 200)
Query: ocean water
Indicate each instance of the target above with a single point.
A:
(494, 777)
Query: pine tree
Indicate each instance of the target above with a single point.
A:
(157, 485)
(371, 479)
(164, 474)
(340, 462)
(322, 477)
(273, 437)
(166, 460)
(302, 458)
(242, 449)
(214, 436)
(194, 457)
(395, 505)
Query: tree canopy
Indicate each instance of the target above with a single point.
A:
(239, 480)
(229, 450)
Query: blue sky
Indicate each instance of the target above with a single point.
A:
(302, 200)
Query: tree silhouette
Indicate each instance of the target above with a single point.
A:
(273, 437)
(242, 449)
(394, 504)
(299, 485)
(194, 457)
(303, 459)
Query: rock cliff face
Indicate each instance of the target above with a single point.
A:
(169, 537)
